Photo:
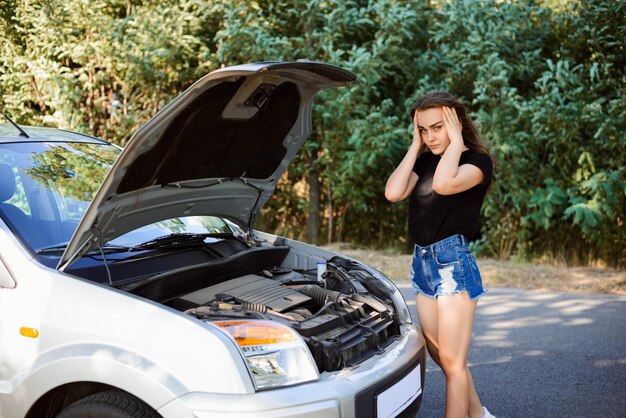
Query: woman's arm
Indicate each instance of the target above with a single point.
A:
(449, 178)
(403, 179)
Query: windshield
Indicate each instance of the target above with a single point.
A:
(45, 189)
(191, 224)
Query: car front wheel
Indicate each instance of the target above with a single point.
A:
(109, 404)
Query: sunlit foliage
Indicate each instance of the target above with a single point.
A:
(545, 80)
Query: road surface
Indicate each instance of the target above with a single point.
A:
(541, 354)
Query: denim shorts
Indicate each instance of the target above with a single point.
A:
(445, 268)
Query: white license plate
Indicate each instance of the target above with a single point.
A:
(399, 396)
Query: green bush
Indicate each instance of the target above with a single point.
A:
(545, 81)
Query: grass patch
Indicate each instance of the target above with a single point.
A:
(505, 273)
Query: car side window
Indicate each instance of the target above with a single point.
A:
(6, 278)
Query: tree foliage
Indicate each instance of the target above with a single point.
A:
(545, 80)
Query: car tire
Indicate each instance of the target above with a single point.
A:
(109, 404)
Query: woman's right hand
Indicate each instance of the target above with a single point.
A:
(417, 136)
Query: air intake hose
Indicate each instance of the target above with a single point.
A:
(321, 296)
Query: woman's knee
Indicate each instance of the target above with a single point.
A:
(451, 363)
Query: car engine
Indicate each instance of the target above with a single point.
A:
(344, 319)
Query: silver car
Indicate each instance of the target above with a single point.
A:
(133, 282)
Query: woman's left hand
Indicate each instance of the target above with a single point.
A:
(453, 125)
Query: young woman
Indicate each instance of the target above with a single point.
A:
(446, 188)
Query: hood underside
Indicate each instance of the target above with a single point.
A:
(218, 149)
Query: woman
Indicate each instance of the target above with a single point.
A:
(446, 188)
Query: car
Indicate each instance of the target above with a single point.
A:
(133, 282)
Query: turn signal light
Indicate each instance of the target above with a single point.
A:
(248, 333)
(29, 332)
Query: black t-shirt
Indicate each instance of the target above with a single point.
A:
(433, 217)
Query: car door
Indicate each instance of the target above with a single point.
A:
(7, 282)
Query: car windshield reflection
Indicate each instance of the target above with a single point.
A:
(201, 225)
(47, 187)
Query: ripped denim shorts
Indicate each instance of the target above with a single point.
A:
(445, 268)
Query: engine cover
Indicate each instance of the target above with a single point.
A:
(253, 289)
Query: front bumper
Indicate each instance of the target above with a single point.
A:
(385, 382)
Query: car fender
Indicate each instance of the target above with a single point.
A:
(91, 332)
(97, 363)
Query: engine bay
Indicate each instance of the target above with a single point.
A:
(345, 316)
(344, 319)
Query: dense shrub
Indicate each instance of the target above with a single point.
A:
(545, 80)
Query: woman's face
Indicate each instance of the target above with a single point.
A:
(432, 130)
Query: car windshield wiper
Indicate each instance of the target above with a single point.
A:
(184, 239)
(60, 248)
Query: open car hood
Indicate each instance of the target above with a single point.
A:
(218, 149)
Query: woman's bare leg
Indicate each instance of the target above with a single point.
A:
(475, 407)
(427, 313)
(454, 331)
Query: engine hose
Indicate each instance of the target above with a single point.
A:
(319, 295)
(343, 275)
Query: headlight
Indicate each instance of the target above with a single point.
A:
(276, 355)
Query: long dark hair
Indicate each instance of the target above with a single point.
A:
(471, 138)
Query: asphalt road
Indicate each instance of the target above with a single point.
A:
(541, 354)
